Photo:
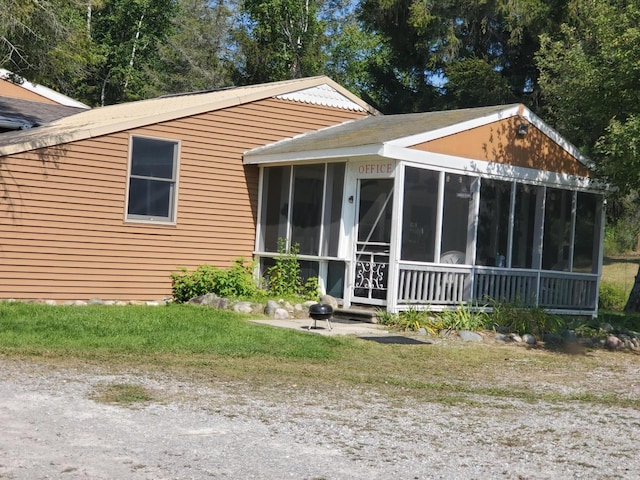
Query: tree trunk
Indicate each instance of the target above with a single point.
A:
(633, 304)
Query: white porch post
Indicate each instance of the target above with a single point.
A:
(346, 249)
(603, 211)
(512, 216)
(396, 240)
(538, 239)
(472, 236)
(439, 217)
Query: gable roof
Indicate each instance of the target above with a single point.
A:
(16, 113)
(114, 118)
(374, 135)
(40, 90)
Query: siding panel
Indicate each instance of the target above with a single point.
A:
(62, 209)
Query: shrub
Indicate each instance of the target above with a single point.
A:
(620, 237)
(518, 319)
(462, 318)
(612, 296)
(237, 281)
(283, 278)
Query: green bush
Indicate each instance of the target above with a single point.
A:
(612, 296)
(462, 318)
(283, 278)
(237, 281)
(518, 319)
(620, 237)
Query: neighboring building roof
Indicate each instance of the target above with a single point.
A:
(16, 113)
(370, 135)
(101, 121)
(40, 90)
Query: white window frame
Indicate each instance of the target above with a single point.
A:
(173, 200)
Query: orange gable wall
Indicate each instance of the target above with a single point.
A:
(498, 142)
(9, 89)
(62, 210)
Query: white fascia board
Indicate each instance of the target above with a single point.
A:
(456, 128)
(319, 155)
(491, 169)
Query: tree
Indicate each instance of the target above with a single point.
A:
(44, 41)
(354, 54)
(439, 46)
(278, 39)
(126, 36)
(194, 56)
(589, 78)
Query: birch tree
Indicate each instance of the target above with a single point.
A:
(278, 39)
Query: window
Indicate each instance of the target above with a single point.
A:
(493, 223)
(275, 207)
(304, 205)
(455, 218)
(419, 214)
(557, 230)
(152, 179)
(524, 226)
(587, 234)
(306, 216)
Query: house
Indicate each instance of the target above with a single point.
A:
(432, 210)
(108, 202)
(24, 105)
(404, 211)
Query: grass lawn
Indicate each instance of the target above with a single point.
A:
(621, 270)
(204, 345)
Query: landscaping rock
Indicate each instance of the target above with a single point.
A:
(570, 336)
(271, 307)
(529, 339)
(552, 338)
(469, 336)
(281, 314)
(95, 301)
(329, 300)
(613, 343)
(287, 306)
(501, 337)
(206, 299)
(257, 308)
(422, 331)
(606, 327)
(243, 307)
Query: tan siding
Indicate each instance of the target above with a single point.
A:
(62, 210)
(499, 142)
(9, 89)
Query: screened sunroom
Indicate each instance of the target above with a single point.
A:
(434, 210)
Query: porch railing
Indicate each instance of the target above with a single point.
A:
(432, 284)
(451, 285)
(507, 286)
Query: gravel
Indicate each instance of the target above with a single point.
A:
(51, 427)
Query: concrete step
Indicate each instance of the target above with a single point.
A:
(357, 313)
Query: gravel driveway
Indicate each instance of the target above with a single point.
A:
(51, 428)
